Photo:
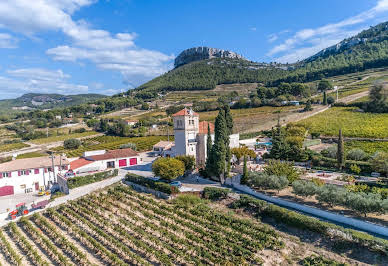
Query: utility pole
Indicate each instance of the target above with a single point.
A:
(337, 94)
(53, 165)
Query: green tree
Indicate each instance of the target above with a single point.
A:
(188, 160)
(324, 85)
(304, 188)
(378, 99)
(71, 144)
(308, 106)
(280, 147)
(279, 168)
(229, 129)
(240, 152)
(168, 168)
(340, 151)
(216, 162)
(379, 162)
(324, 102)
(244, 177)
(355, 169)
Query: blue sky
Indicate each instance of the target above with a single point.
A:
(108, 46)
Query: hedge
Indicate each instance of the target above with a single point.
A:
(149, 183)
(79, 181)
(365, 167)
(301, 221)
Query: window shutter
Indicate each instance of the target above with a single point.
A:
(1, 175)
(19, 173)
(27, 172)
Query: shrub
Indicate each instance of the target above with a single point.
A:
(71, 144)
(214, 193)
(315, 135)
(279, 168)
(168, 168)
(189, 161)
(304, 188)
(156, 185)
(319, 260)
(79, 181)
(265, 181)
(330, 100)
(187, 200)
(80, 130)
(357, 155)
(355, 169)
(379, 162)
(129, 145)
(330, 152)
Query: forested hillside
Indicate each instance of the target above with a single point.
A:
(368, 49)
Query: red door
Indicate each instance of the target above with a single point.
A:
(133, 161)
(36, 186)
(6, 190)
(122, 162)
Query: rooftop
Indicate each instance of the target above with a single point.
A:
(163, 144)
(185, 112)
(79, 163)
(32, 163)
(113, 154)
(203, 127)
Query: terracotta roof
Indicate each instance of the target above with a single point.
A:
(163, 144)
(185, 112)
(114, 154)
(79, 163)
(203, 127)
(32, 163)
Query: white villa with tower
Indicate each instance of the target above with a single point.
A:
(190, 137)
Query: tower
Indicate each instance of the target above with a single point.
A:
(186, 126)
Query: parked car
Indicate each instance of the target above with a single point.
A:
(177, 184)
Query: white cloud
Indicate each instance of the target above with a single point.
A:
(117, 52)
(307, 42)
(7, 41)
(38, 80)
(253, 28)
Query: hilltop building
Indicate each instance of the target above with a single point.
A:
(190, 137)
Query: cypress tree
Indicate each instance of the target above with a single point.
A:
(340, 151)
(244, 177)
(209, 145)
(229, 129)
(216, 163)
(324, 98)
(280, 148)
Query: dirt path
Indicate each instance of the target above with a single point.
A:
(297, 115)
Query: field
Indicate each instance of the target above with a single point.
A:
(123, 227)
(111, 143)
(369, 147)
(246, 119)
(63, 137)
(352, 123)
(13, 146)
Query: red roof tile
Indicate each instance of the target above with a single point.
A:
(114, 154)
(185, 112)
(203, 127)
(79, 163)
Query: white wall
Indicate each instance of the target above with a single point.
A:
(29, 180)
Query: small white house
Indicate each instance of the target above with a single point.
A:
(101, 160)
(28, 175)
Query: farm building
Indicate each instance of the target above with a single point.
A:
(28, 175)
(162, 148)
(101, 160)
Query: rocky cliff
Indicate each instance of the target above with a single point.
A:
(202, 53)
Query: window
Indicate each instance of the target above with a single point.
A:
(6, 174)
(24, 172)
